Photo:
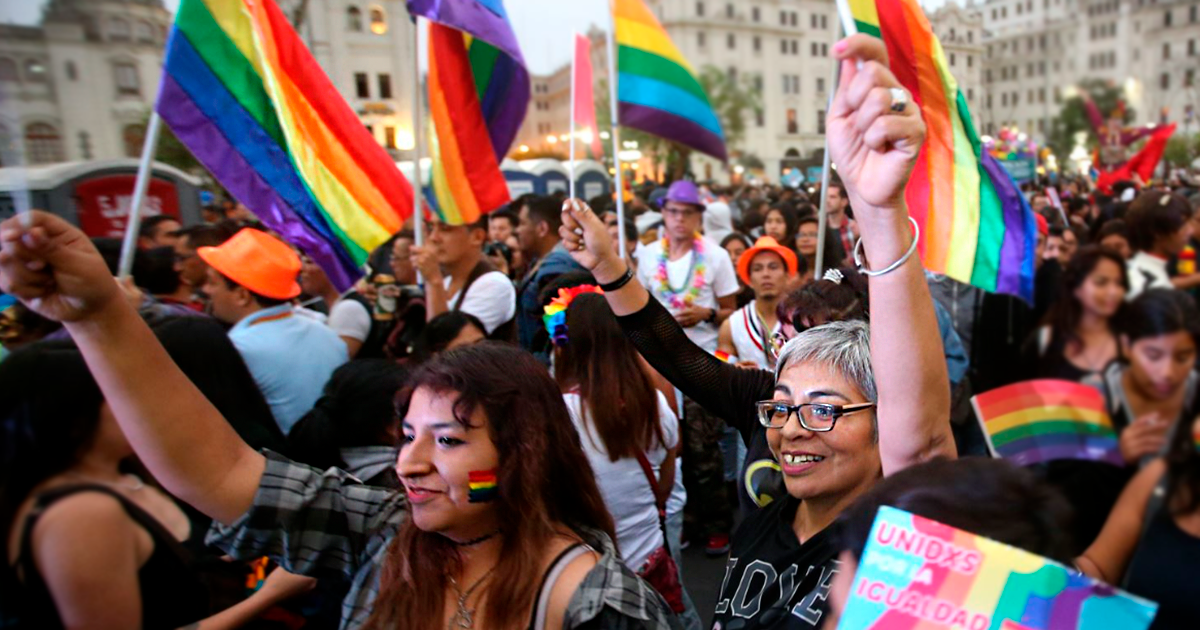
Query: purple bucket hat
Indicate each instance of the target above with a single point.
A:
(683, 192)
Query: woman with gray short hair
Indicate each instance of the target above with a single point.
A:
(849, 403)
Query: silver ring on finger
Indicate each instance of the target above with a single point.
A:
(899, 100)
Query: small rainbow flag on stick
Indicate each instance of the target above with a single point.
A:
(482, 486)
(242, 92)
(657, 91)
(976, 227)
(1044, 420)
(478, 95)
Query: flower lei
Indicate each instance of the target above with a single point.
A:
(555, 317)
(687, 294)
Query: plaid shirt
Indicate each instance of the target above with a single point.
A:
(311, 521)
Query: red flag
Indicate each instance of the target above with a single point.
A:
(1143, 163)
(585, 107)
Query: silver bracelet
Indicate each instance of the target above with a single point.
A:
(858, 253)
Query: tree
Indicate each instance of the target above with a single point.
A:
(1181, 150)
(1073, 118)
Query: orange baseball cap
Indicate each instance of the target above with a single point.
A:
(765, 244)
(258, 261)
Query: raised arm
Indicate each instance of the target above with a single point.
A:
(875, 148)
(185, 442)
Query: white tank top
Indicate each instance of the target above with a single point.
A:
(749, 337)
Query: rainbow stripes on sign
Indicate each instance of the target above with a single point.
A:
(482, 484)
(243, 93)
(1044, 420)
(478, 95)
(657, 90)
(976, 227)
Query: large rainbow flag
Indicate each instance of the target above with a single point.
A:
(657, 90)
(1043, 420)
(976, 227)
(243, 93)
(478, 95)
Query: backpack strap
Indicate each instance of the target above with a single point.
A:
(480, 268)
(564, 559)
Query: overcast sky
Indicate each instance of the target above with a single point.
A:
(543, 27)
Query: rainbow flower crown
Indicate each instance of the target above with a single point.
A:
(555, 317)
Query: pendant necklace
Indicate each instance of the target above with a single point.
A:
(464, 618)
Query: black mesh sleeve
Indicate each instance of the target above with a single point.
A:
(724, 390)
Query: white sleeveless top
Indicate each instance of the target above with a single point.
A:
(749, 337)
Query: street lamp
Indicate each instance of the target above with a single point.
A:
(552, 139)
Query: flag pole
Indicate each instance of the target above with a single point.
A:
(571, 145)
(417, 115)
(847, 28)
(616, 136)
(134, 222)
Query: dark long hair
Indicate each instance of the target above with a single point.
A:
(1158, 312)
(1064, 316)
(202, 350)
(619, 400)
(834, 253)
(49, 413)
(357, 409)
(791, 222)
(543, 477)
(1183, 468)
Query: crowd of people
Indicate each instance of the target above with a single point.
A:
(516, 424)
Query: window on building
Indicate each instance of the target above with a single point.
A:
(824, 21)
(43, 145)
(362, 86)
(1004, 99)
(729, 11)
(1041, 126)
(389, 137)
(760, 118)
(731, 41)
(1189, 77)
(953, 59)
(1019, 7)
(787, 84)
(783, 18)
(812, 49)
(970, 94)
(70, 70)
(732, 74)
(1194, 14)
(793, 125)
(1191, 47)
(970, 37)
(824, 50)
(970, 61)
(385, 85)
(699, 9)
(379, 24)
(758, 83)
(795, 18)
(952, 33)
(144, 33)
(35, 71)
(1164, 81)
(820, 121)
(987, 75)
(125, 75)
(757, 43)
(820, 85)
(1167, 18)
(755, 14)
(133, 137)
(1016, 98)
(812, 21)
(701, 39)
(1167, 50)
(118, 30)
(354, 19)
(795, 47)
(795, 84)
(783, 46)
(989, 101)
(8, 70)
(1057, 95)
(1042, 95)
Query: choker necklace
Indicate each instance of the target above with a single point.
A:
(475, 541)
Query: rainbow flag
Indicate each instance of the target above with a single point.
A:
(478, 95)
(657, 90)
(481, 486)
(976, 227)
(243, 93)
(1043, 420)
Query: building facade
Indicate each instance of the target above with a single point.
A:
(81, 84)
(1037, 53)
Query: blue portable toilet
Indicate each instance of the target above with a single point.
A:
(520, 182)
(550, 175)
(591, 179)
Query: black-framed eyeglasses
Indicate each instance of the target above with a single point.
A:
(818, 417)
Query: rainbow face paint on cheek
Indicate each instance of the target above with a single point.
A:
(483, 486)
